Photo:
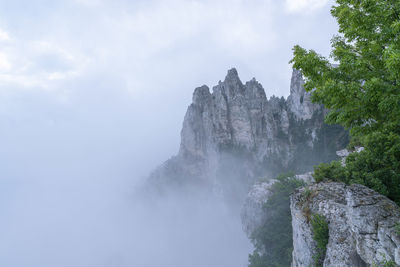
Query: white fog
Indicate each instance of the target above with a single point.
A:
(92, 98)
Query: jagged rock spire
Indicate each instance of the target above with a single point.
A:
(274, 133)
(299, 101)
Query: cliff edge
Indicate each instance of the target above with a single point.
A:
(361, 222)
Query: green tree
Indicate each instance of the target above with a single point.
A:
(362, 91)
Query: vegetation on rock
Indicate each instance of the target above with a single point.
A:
(321, 236)
(397, 228)
(385, 263)
(332, 171)
(362, 91)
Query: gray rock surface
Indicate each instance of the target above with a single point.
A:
(299, 101)
(253, 215)
(344, 153)
(361, 225)
(235, 134)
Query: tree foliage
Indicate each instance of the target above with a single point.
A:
(377, 167)
(362, 91)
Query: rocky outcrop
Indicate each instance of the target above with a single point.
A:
(299, 101)
(234, 134)
(361, 225)
(253, 214)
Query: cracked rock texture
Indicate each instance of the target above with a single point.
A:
(361, 225)
(233, 134)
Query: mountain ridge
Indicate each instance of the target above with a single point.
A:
(233, 134)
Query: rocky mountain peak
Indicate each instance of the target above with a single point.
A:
(255, 91)
(201, 95)
(299, 100)
(237, 125)
(232, 86)
(297, 83)
(233, 77)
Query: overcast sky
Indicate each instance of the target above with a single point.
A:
(92, 97)
(126, 64)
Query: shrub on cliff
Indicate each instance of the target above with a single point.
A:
(377, 167)
(333, 171)
(320, 231)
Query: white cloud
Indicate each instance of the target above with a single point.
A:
(162, 24)
(65, 67)
(4, 36)
(297, 6)
(5, 64)
(38, 64)
(168, 39)
(88, 3)
(133, 41)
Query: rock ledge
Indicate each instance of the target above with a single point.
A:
(361, 225)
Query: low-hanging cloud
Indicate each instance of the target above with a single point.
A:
(92, 98)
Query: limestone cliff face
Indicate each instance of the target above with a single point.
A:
(235, 134)
(361, 225)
